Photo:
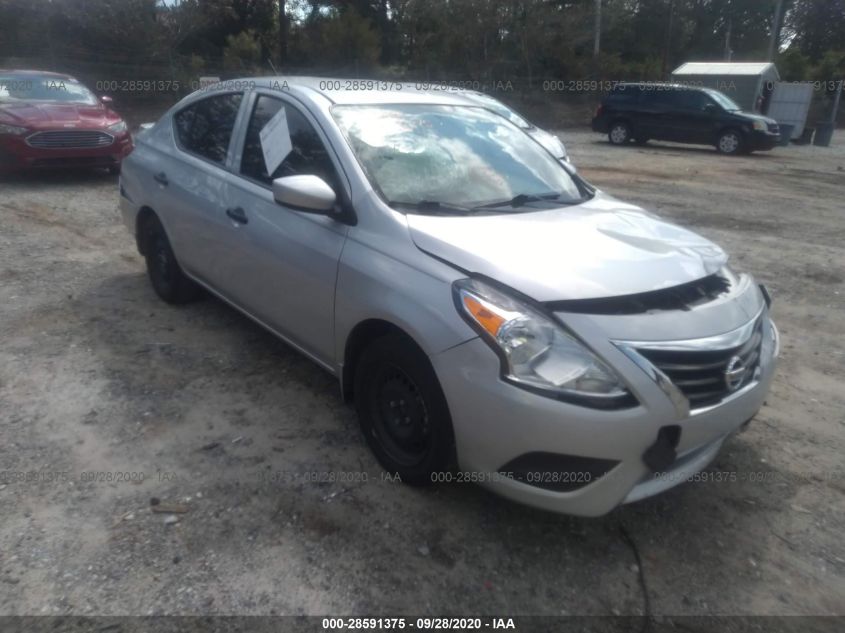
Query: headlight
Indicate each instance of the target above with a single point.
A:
(760, 125)
(118, 127)
(11, 129)
(537, 352)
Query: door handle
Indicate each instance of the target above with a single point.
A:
(238, 215)
(161, 178)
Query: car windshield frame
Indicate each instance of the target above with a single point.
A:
(723, 100)
(502, 110)
(47, 86)
(556, 188)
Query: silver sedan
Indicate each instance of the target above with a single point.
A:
(494, 317)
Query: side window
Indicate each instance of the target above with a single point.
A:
(626, 95)
(692, 100)
(660, 96)
(308, 155)
(205, 127)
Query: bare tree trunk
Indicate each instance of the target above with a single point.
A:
(283, 34)
(775, 39)
(668, 43)
(597, 30)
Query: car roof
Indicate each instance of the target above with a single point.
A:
(650, 85)
(40, 73)
(362, 91)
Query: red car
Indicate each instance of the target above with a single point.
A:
(52, 120)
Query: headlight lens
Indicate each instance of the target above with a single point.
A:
(118, 127)
(537, 352)
(11, 129)
(760, 125)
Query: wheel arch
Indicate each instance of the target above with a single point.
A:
(729, 127)
(145, 214)
(362, 335)
(625, 120)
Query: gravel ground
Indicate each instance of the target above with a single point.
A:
(224, 423)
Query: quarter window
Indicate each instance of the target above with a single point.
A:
(205, 127)
(308, 155)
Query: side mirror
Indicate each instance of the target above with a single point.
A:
(710, 108)
(304, 193)
(106, 99)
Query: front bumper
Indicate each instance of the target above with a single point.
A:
(758, 140)
(495, 423)
(15, 154)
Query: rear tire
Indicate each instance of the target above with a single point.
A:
(730, 143)
(166, 276)
(403, 412)
(619, 133)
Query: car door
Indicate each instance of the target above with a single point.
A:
(285, 261)
(193, 186)
(670, 116)
(653, 113)
(693, 120)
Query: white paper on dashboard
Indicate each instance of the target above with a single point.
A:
(275, 141)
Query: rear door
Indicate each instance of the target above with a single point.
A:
(692, 120)
(193, 185)
(653, 113)
(284, 262)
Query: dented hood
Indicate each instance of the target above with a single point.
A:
(601, 248)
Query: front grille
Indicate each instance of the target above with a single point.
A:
(774, 128)
(70, 139)
(702, 375)
(75, 161)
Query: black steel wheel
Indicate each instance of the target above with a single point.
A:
(402, 410)
(166, 276)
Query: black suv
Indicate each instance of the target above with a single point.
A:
(670, 112)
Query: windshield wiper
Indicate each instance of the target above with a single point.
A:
(432, 207)
(521, 199)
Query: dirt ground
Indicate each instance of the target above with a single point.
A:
(215, 415)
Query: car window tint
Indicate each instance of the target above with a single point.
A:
(692, 99)
(205, 127)
(662, 96)
(308, 155)
(624, 95)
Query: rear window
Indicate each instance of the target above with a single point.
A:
(205, 127)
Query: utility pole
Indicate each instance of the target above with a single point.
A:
(597, 29)
(775, 38)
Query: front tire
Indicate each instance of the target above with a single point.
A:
(166, 276)
(730, 143)
(403, 412)
(619, 133)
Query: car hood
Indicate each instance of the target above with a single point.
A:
(601, 248)
(43, 115)
(753, 116)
